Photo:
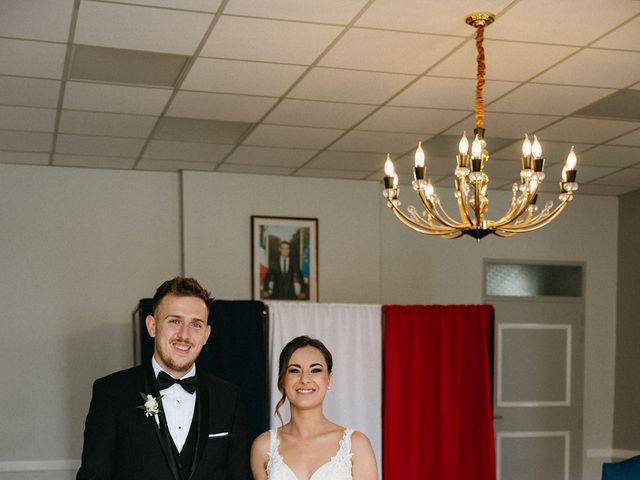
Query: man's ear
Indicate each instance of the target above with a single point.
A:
(151, 325)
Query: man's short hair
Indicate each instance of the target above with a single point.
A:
(181, 287)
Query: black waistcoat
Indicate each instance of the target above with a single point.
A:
(184, 458)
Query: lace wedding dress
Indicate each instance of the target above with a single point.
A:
(337, 468)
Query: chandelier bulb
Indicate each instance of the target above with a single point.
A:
(463, 146)
(389, 170)
(536, 148)
(571, 160)
(419, 157)
(476, 148)
(526, 146)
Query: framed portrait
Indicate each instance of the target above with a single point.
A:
(284, 258)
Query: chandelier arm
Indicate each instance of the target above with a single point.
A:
(422, 228)
(537, 224)
(463, 203)
(453, 221)
(432, 209)
(512, 216)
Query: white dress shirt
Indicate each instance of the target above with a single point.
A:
(178, 406)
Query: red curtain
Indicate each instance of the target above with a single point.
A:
(437, 395)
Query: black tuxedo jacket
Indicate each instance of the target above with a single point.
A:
(120, 442)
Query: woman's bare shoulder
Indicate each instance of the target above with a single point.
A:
(360, 442)
(262, 442)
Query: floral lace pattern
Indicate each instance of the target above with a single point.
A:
(337, 468)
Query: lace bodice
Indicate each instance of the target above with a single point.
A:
(337, 468)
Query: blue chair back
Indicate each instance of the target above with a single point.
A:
(626, 470)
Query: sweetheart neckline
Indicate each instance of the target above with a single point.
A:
(340, 447)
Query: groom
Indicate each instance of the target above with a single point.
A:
(189, 426)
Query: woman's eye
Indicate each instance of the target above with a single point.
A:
(294, 370)
(316, 370)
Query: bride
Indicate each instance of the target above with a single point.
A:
(309, 447)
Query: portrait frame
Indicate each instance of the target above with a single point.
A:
(275, 239)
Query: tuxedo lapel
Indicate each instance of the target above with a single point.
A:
(163, 432)
(202, 415)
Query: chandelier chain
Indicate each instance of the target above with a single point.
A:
(480, 77)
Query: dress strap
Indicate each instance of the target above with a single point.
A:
(273, 441)
(345, 443)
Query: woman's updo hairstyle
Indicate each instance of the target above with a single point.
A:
(285, 356)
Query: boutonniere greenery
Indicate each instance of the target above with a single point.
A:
(151, 407)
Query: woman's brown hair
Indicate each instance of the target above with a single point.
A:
(285, 356)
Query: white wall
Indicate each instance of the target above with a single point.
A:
(420, 269)
(217, 226)
(78, 248)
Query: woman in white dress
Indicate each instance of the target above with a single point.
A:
(309, 447)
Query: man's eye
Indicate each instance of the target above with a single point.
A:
(174, 320)
(197, 325)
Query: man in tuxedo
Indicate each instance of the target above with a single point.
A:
(283, 280)
(197, 431)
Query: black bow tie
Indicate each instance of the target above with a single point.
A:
(166, 381)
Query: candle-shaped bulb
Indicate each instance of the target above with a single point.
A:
(526, 146)
(463, 146)
(476, 148)
(419, 157)
(571, 160)
(536, 148)
(388, 167)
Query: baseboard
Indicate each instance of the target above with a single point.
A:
(39, 466)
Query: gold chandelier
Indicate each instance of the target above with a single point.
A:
(471, 181)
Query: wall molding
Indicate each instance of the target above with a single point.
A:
(611, 453)
(39, 465)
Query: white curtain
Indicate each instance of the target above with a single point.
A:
(353, 334)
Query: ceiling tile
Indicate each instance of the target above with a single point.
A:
(47, 20)
(173, 165)
(319, 173)
(185, 151)
(626, 37)
(25, 141)
(254, 169)
(438, 92)
(355, 161)
(380, 142)
(117, 163)
(446, 146)
(393, 52)
(569, 22)
(116, 65)
(115, 98)
(505, 125)
(329, 11)
(584, 130)
(504, 60)
(29, 92)
(632, 139)
(140, 28)
(318, 114)
(227, 76)
(610, 190)
(437, 166)
(624, 104)
(219, 106)
(204, 131)
(268, 40)
(503, 170)
(596, 68)
(548, 99)
(610, 156)
(197, 5)
(295, 137)
(27, 118)
(271, 157)
(585, 173)
(416, 16)
(31, 59)
(628, 177)
(26, 158)
(109, 124)
(411, 120)
(90, 145)
(349, 86)
(552, 152)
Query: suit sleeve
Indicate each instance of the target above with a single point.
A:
(99, 437)
(238, 461)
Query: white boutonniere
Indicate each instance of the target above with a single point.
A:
(151, 407)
